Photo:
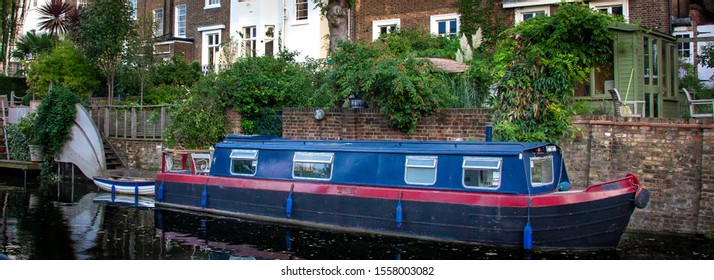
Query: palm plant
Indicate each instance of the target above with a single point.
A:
(55, 17)
(31, 44)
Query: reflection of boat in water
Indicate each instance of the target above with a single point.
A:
(218, 238)
(125, 200)
(125, 183)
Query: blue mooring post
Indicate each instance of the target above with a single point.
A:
(489, 131)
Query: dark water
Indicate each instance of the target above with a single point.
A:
(71, 221)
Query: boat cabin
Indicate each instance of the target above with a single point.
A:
(510, 168)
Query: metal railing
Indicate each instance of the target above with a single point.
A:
(131, 122)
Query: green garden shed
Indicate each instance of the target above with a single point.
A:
(645, 67)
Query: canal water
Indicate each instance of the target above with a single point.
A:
(73, 220)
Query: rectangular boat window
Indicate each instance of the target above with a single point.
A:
(542, 171)
(481, 172)
(244, 162)
(420, 170)
(313, 165)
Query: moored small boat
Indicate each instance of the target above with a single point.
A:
(125, 185)
(506, 194)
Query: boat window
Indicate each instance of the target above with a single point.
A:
(313, 165)
(481, 172)
(420, 170)
(244, 162)
(541, 171)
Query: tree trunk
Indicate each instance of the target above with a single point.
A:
(110, 90)
(338, 12)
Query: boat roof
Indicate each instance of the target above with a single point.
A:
(387, 146)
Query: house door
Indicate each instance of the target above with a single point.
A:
(653, 68)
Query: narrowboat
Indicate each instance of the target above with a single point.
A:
(505, 194)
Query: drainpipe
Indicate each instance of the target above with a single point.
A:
(285, 24)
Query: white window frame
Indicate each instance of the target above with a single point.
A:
(530, 10)
(159, 22)
(552, 168)
(498, 167)
(178, 28)
(309, 157)
(307, 10)
(205, 48)
(609, 4)
(435, 19)
(433, 166)
(244, 155)
(250, 36)
(377, 24)
(690, 58)
(212, 4)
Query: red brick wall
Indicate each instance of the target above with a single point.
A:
(653, 14)
(448, 124)
(672, 157)
(414, 14)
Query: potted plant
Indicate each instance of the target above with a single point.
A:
(26, 125)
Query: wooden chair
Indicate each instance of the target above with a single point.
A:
(693, 104)
(627, 108)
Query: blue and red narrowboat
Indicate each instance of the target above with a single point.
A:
(506, 194)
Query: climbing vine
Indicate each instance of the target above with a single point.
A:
(53, 124)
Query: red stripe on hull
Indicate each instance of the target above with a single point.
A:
(424, 195)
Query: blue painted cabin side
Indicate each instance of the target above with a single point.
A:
(387, 163)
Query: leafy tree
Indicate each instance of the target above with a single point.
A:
(540, 63)
(706, 58)
(140, 53)
(31, 45)
(405, 88)
(63, 66)
(54, 17)
(104, 30)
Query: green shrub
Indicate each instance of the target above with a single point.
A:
(404, 87)
(198, 119)
(17, 142)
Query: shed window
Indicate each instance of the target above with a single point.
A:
(244, 162)
(541, 171)
(313, 165)
(420, 170)
(481, 172)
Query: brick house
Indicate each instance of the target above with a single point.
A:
(195, 29)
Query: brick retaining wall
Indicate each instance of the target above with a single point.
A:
(447, 124)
